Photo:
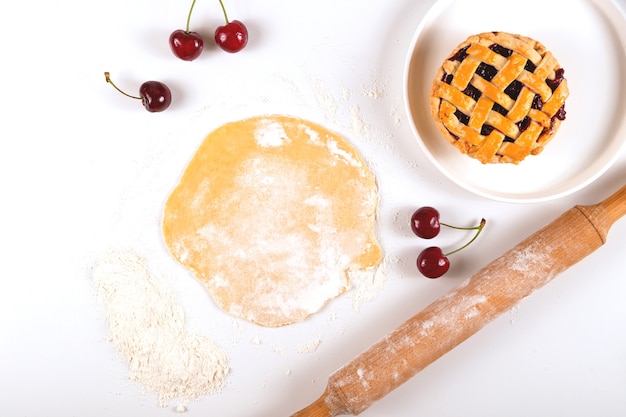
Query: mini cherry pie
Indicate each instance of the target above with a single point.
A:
(499, 97)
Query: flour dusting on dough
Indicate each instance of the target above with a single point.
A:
(281, 209)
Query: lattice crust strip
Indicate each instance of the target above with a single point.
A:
(499, 97)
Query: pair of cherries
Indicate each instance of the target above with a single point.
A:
(432, 262)
(188, 45)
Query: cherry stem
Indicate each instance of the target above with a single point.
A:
(478, 229)
(108, 79)
(193, 3)
(459, 228)
(224, 11)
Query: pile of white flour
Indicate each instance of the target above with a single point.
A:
(147, 327)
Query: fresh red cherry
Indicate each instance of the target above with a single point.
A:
(233, 36)
(425, 222)
(185, 44)
(433, 263)
(154, 95)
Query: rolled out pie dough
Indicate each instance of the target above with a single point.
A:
(271, 214)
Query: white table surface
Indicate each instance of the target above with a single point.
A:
(84, 171)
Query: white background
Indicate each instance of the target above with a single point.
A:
(85, 170)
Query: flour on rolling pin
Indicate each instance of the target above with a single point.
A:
(531, 263)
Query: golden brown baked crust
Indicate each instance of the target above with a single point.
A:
(499, 97)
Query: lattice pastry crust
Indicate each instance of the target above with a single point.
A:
(499, 97)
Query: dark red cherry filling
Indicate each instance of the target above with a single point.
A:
(472, 92)
(460, 55)
(486, 71)
(499, 49)
(513, 89)
(463, 118)
(530, 67)
(553, 84)
(486, 130)
(498, 108)
(523, 124)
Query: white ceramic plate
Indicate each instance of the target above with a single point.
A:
(589, 40)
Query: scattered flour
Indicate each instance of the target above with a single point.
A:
(356, 120)
(147, 327)
(374, 91)
(279, 350)
(366, 284)
(311, 346)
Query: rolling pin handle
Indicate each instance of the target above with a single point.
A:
(605, 213)
(328, 405)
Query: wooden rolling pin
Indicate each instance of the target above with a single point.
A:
(463, 311)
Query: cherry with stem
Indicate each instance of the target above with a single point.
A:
(425, 223)
(233, 36)
(185, 44)
(154, 95)
(433, 263)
